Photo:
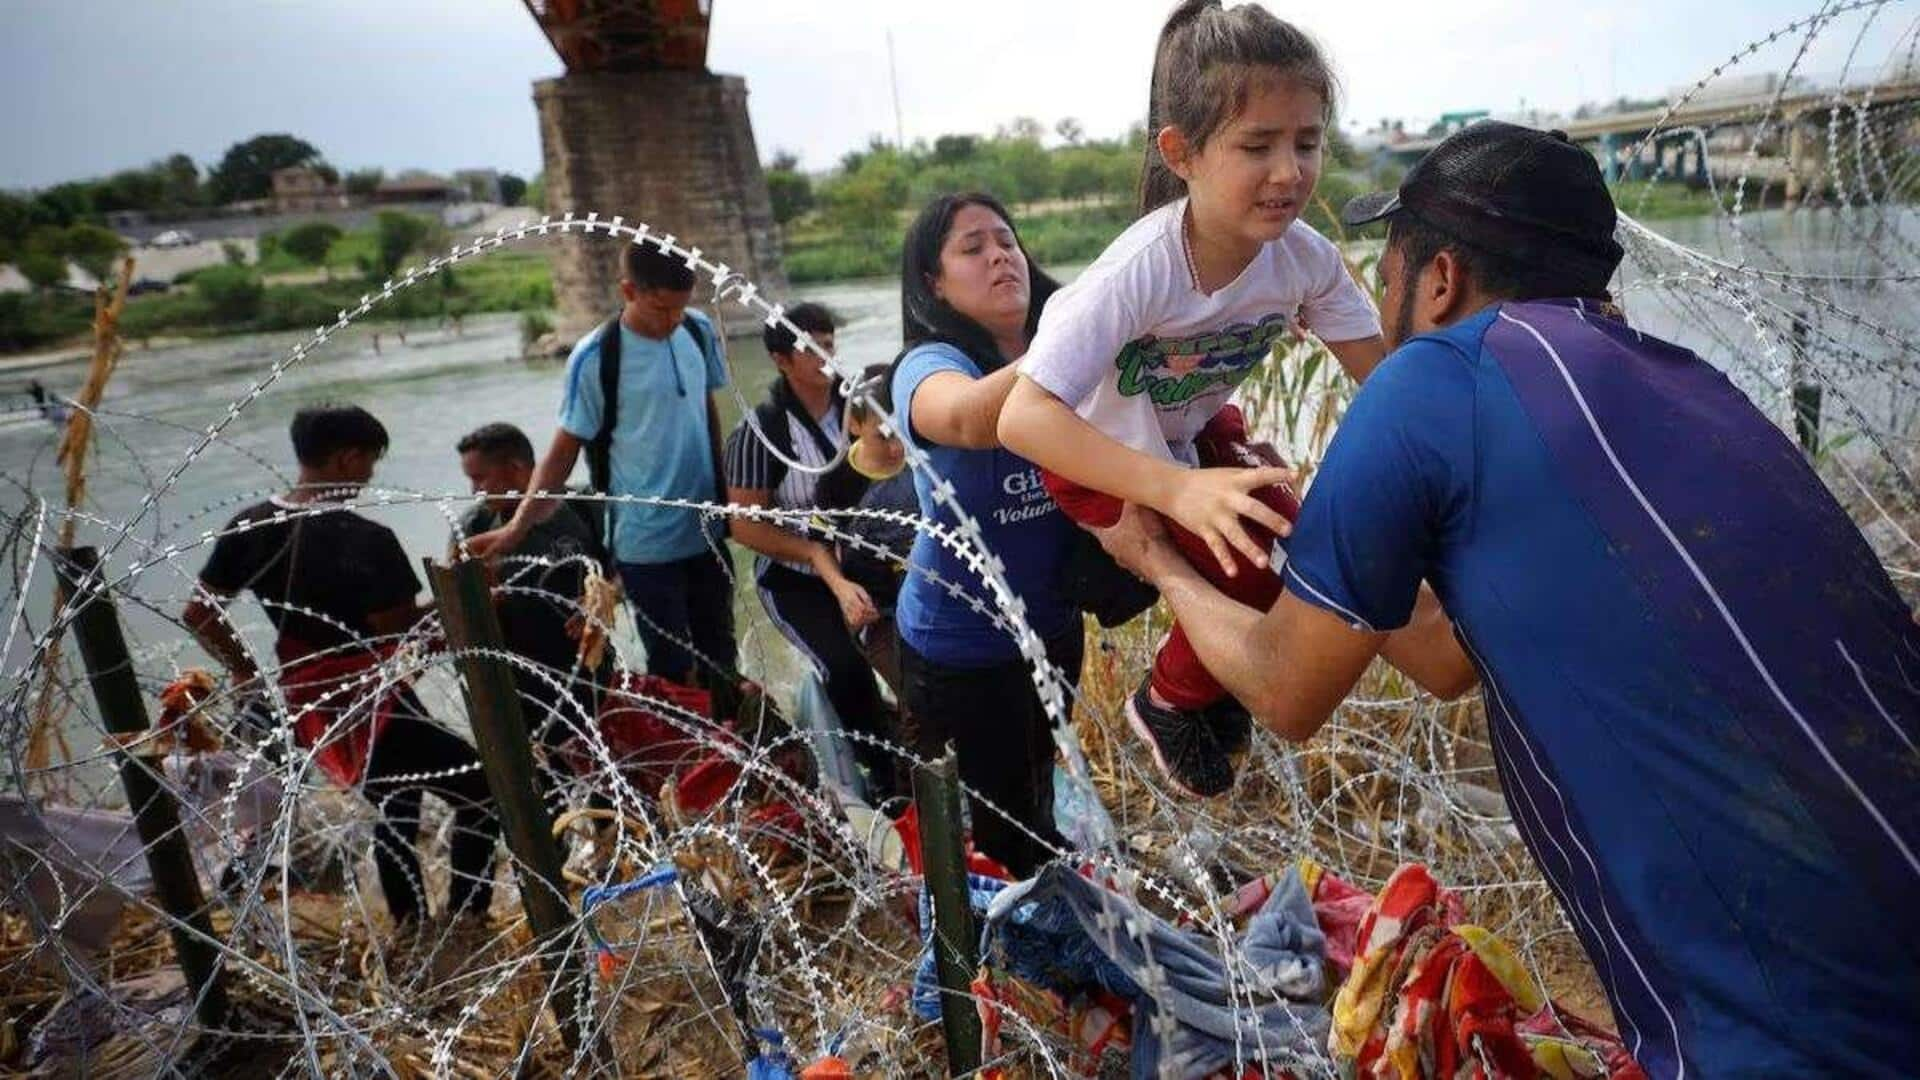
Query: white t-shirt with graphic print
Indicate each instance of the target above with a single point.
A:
(1144, 356)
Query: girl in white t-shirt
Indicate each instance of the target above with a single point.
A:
(1124, 389)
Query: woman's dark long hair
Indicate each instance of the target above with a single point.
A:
(924, 317)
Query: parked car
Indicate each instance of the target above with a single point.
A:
(145, 285)
(174, 238)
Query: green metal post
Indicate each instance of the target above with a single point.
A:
(956, 944)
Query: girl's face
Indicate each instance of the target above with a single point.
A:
(1255, 174)
(983, 274)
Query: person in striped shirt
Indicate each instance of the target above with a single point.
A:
(816, 606)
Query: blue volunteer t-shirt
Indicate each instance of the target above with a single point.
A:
(1002, 492)
(660, 438)
(1699, 682)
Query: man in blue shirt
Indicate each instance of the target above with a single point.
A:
(1699, 680)
(665, 445)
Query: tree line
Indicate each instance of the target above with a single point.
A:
(873, 185)
(37, 227)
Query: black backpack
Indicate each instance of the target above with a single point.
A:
(599, 449)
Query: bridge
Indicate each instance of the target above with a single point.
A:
(638, 126)
(1773, 135)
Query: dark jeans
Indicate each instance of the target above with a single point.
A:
(411, 745)
(808, 616)
(555, 715)
(996, 723)
(687, 600)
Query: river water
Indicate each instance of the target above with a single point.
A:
(440, 384)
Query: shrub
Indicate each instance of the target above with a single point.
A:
(232, 293)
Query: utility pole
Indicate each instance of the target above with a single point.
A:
(893, 76)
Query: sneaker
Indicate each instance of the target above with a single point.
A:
(1231, 723)
(1183, 745)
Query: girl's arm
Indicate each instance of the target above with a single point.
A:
(956, 410)
(1207, 502)
(1359, 357)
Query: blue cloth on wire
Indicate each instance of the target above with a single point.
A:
(1067, 933)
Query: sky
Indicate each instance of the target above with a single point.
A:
(91, 86)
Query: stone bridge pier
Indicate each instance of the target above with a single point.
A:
(638, 127)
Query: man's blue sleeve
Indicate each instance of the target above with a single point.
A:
(913, 370)
(581, 404)
(1368, 528)
(716, 352)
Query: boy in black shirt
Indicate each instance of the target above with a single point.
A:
(339, 590)
(540, 583)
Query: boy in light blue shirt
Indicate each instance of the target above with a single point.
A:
(662, 444)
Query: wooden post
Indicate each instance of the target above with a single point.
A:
(1796, 157)
(103, 650)
(506, 755)
(956, 945)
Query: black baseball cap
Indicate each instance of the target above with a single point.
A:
(1530, 195)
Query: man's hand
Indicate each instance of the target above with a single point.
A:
(1139, 542)
(1210, 503)
(493, 542)
(855, 605)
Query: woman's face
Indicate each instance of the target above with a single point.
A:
(983, 274)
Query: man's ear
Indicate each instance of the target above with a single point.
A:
(629, 291)
(1444, 288)
(1175, 151)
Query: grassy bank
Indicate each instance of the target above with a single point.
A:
(237, 300)
(245, 299)
(818, 252)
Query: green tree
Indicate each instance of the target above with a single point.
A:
(1080, 172)
(130, 189)
(94, 248)
(364, 182)
(1021, 129)
(1029, 169)
(63, 204)
(512, 189)
(232, 293)
(1340, 149)
(537, 192)
(790, 189)
(310, 242)
(43, 269)
(397, 234)
(182, 180)
(866, 201)
(16, 219)
(1070, 131)
(246, 171)
(953, 149)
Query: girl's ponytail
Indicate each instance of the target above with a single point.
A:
(1158, 184)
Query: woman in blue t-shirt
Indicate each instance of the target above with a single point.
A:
(970, 300)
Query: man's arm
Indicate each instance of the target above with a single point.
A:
(713, 442)
(777, 542)
(1427, 651)
(1293, 665)
(205, 618)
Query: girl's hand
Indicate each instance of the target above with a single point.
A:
(1209, 503)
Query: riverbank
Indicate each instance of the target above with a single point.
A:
(226, 300)
(279, 292)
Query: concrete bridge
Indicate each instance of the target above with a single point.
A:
(1770, 135)
(639, 127)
